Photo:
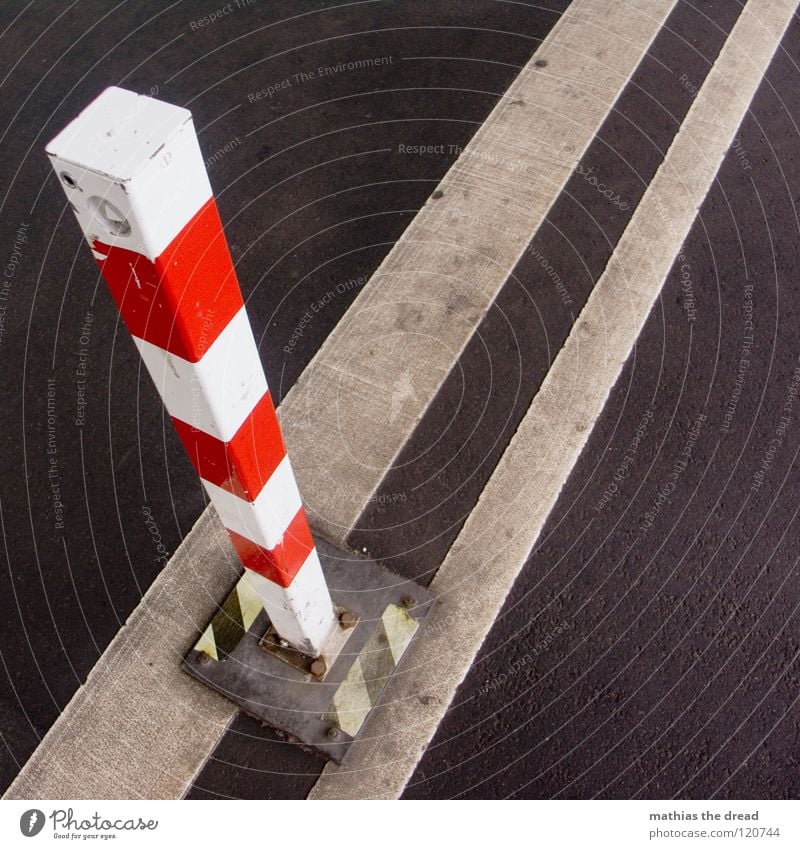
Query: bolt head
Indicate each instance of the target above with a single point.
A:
(318, 667)
(347, 619)
(333, 733)
(408, 601)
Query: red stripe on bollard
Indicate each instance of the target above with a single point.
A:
(243, 465)
(284, 561)
(184, 299)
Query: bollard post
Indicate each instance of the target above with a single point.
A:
(309, 662)
(133, 174)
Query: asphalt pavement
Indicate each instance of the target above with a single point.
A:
(650, 646)
(650, 650)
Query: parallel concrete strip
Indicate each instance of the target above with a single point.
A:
(351, 412)
(139, 728)
(501, 531)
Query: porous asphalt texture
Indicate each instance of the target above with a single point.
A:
(637, 655)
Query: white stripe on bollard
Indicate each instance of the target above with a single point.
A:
(231, 364)
(133, 173)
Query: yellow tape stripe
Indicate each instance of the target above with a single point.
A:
(249, 601)
(377, 662)
(368, 675)
(352, 701)
(230, 623)
(207, 643)
(400, 628)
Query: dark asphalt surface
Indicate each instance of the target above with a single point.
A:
(313, 192)
(659, 662)
(658, 656)
(444, 468)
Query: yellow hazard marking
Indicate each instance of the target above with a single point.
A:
(249, 601)
(368, 675)
(400, 628)
(377, 662)
(232, 620)
(207, 643)
(352, 701)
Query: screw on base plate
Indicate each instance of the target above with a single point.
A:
(276, 684)
(408, 601)
(347, 619)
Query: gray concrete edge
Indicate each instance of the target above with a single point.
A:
(349, 415)
(139, 727)
(497, 538)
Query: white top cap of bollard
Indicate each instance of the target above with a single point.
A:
(132, 170)
(118, 133)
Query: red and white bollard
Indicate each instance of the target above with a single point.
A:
(133, 173)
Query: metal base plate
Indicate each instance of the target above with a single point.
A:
(326, 715)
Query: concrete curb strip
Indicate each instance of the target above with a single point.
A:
(479, 570)
(139, 727)
(351, 412)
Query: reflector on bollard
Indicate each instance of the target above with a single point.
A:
(133, 173)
